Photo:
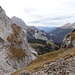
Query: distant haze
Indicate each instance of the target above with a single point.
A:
(46, 29)
(41, 12)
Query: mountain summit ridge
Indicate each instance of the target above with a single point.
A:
(68, 25)
(58, 34)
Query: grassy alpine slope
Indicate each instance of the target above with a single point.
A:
(46, 59)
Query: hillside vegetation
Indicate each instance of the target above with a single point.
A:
(43, 46)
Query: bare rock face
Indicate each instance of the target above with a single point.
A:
(33, 32)
(69, 40)
(15, 52)
(19, 22)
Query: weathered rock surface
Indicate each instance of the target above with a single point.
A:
(33, 32)
(60, 67)
(15, 52)
(69, 40)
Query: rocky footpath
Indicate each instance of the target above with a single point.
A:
(59, 67)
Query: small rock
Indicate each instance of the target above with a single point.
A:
(24, 72)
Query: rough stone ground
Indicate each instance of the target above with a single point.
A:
(59, 67)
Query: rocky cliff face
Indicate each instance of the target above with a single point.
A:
(19, 22)
(15, 52)
(69, 40)
(35, 33)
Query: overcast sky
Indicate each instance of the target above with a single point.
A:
(41, 12)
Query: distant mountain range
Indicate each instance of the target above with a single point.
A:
(46, 29)
(59, 33)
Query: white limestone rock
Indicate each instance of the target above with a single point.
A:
(13, 46)
(69, 40)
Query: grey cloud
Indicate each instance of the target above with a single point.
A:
(47, 19)
(38, 16)
(58, 18)
(29, 10)
(38, 21)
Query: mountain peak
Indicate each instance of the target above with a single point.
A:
(1, 11)
(68, 25)
(19, 22)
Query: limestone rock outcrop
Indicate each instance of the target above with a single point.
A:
(69, 40)
(15, 52)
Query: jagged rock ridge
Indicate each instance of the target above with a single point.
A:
(15, 52)
(19, 22)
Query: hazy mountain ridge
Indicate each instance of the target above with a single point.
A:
(46, 29)
(68, 26)
(58, 34)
